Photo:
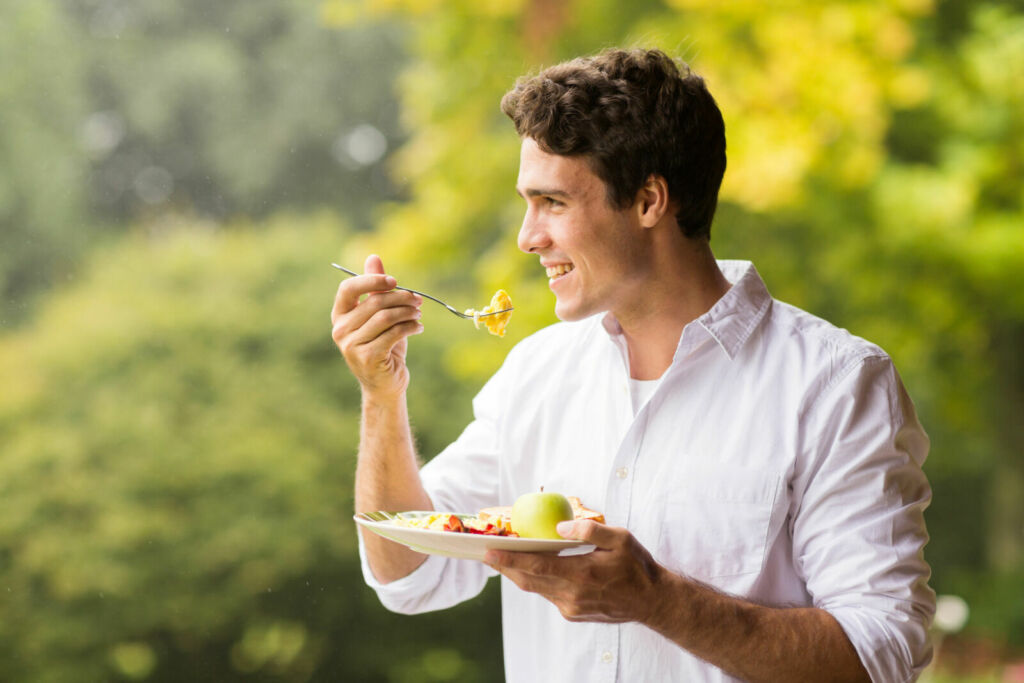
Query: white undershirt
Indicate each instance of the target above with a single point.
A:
(640, 390)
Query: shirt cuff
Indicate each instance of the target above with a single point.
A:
(407, 594)
(894, 647)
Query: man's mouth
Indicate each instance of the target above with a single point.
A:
(559, 270)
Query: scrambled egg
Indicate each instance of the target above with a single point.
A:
(495, 324)
(435, 521)
(447, 521)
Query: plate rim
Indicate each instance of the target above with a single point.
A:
(379, 521)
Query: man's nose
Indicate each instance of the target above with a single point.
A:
(532, 235)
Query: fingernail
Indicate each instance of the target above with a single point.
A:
(390, 281)
(565, 528)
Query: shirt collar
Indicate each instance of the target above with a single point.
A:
(735, 316)
(732, 319)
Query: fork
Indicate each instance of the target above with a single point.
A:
(450, 308)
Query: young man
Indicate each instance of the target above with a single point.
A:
(759, 469)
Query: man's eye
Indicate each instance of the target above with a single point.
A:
(553, 202)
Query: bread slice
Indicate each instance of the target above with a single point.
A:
(498, 512)
(579, 511)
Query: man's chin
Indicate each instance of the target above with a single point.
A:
(569, 314)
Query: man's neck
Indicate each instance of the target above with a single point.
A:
(684, 283)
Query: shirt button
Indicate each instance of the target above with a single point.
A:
(606, 657)
(622, 473)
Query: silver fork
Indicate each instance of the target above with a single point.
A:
(450, 308)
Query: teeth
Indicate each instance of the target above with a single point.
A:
(560, 269)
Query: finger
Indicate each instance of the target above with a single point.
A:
(350, 290)
(375, 329)
(373, 265)
(357, 317)
(527, 581)
(394, 334)
(545, 586)
(537, 564)
(589, 531)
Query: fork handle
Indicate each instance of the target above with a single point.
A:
(406, 289)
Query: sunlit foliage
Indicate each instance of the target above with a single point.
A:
(876, 153)
(176, 483)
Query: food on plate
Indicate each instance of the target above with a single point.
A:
(465, 524)
(580, 511)
(495, 324)
(504, 512)
(490, 521)
(500, 512)
(536, 515)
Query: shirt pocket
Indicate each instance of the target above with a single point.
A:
(716, 519)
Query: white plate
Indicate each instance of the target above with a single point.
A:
(454, 544)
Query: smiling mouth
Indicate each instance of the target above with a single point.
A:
(561, 269)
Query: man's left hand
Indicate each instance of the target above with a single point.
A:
(617, 582)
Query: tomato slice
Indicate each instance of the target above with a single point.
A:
(453, 523)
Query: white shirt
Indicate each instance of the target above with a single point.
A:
(778, 459)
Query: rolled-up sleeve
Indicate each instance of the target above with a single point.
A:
(438, 583)
(859, 530)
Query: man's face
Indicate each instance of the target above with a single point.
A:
(592, 251)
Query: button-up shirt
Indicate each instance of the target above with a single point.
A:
(778, 459)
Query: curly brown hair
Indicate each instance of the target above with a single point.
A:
(631, 114)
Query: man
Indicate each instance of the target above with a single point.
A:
(759, 469)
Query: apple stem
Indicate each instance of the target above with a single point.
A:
(542, 489)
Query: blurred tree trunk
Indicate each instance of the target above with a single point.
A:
(1006, 525)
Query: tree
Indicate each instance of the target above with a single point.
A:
(176, 479)
(117, 112)
(41, 194)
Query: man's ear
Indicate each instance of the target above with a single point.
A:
(652, 200)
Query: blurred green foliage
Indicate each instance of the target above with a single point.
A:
(117, 111)
(177, 430)
(176, 482)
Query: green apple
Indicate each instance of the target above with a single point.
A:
(535, 515)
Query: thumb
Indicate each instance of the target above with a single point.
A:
(568, 530)
(373, 265)
(588, 531)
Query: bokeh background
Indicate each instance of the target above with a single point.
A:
(177, 430)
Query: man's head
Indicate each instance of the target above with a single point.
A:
(630, 114)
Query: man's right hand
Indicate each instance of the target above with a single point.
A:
(372, 322)
(372, 334)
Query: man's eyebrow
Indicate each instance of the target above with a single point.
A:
(541, 192)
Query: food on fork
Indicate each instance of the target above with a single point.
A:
(496, 323)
